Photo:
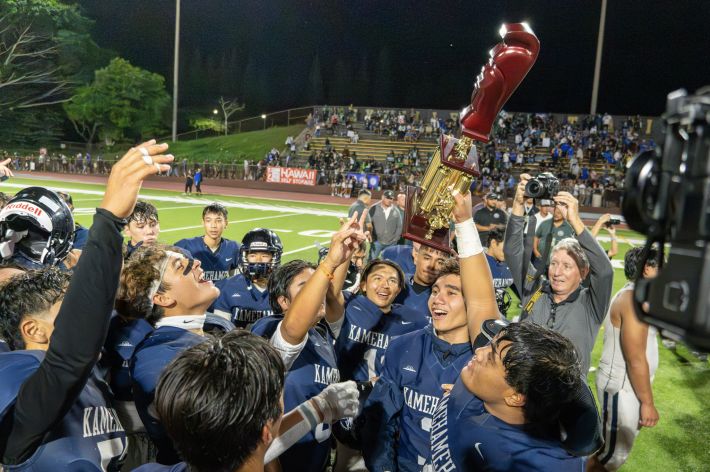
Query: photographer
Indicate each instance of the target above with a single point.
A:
(607, 222)
(559, 301)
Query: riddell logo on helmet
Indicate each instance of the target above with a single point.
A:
(28, 207)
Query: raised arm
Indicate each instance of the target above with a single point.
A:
(304, 309)
(634, 336)
(51, 391)
(598, 225)
(476, 279)
(514, 247)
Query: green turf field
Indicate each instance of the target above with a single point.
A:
(682, 383)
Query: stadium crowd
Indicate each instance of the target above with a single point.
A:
(589, 154)
(209, 354)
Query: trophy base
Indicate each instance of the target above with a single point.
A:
(417, 227)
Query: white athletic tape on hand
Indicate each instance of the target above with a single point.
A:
(468, 242)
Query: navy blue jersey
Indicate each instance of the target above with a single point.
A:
(81, 234)
(90, 437)
(502, 277)
(415, 297)
(123, 337)
(367, 332)
(153, 467)
(402, 255)
(148, 362)
(464, 436)
(217, 264)
(4, 347)
(313, 370)
(242, 301)
(418, 368)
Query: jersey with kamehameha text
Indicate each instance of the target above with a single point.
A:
(418, 369)
(367, 332)
(242, 301)
(502, 277)
(218, 264)
(465, 437)
(149, 360)
(88, 438)
(314, 369)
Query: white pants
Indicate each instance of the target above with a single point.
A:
(620, 416)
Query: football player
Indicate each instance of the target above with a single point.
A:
(403, 255)
(56, 412)
(427, 264)
(219, 256)
(36, 229)
(240, 433)
(421, 366)
(143, 227)
(167, 290)
(299, 294)
(244, 298)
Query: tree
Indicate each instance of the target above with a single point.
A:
(123, 102)
(229, 107)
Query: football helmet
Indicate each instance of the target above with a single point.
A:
(260, 240)
(36, 226)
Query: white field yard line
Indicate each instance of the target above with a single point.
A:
(90, 210)
(203, 201)
(231, 223)
(311, 246)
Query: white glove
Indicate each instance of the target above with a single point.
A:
(338, 401)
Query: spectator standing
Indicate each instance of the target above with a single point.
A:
(490, 216)
(550, 232)
(198, 181)
(386, 223)
(188, 183)
(360, 206)
(560, 302)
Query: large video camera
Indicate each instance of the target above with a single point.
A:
(668, 198)
(545, 185)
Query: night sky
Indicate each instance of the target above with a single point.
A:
(411, 53)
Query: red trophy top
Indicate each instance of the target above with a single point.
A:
(510, 62)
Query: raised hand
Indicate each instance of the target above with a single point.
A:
(520, 189)
(346, 240)
(4, 169)
(570, 210)
(127, 176)
(463, 209)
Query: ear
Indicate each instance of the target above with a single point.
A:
(514, 399)
(267, 436)
(283, 302)
(33, 330)
(164, 300)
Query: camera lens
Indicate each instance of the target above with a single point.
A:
(534, 188)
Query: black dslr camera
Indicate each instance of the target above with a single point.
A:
(612, 222)
(668, 198)
(545, 185)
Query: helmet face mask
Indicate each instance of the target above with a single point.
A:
(260, 240)
(36, 226)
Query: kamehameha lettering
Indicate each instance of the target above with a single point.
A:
(440, 453)
(100, 420)
(216, 275)
(247, 315)
(372, 338)
(326, 375)
(417, 401)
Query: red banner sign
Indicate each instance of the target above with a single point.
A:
(291, 175)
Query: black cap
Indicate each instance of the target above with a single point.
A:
(493, 196)
(388, 194)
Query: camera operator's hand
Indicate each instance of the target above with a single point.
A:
(519, 200)
(127, 176)
(599, 224)
(570, 210)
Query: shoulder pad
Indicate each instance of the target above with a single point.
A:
(15, 368)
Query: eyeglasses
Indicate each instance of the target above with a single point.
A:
(553, 313)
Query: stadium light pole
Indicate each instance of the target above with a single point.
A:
(175, 67)
(263, 117)
(598, 62)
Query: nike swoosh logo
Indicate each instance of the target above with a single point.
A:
(478, 450)
(407, 322)
(228, 259)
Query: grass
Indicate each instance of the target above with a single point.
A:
(236, 147)
(681, 386)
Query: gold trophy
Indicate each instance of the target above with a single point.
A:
(454, 165)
